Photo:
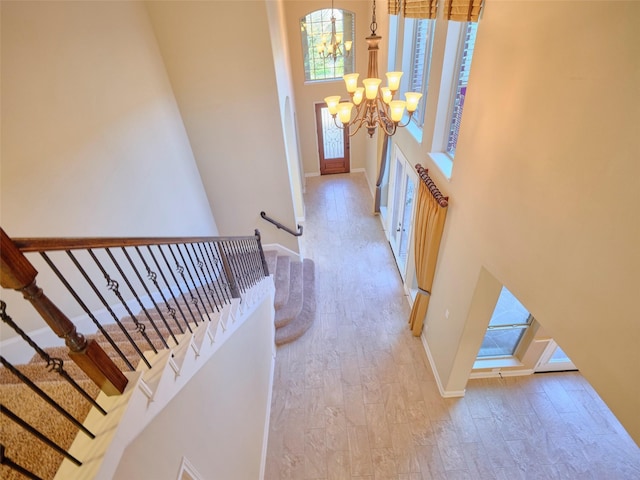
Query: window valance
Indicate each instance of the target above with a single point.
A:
(420, 8)
(462, 10)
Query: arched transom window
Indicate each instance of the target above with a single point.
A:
(316, 31)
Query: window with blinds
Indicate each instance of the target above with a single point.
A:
(461, 78)
(316, 28)
(420, 62)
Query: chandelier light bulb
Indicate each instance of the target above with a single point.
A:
(413, 98)
(371, 87)
(344, 111)
(351, 81)
(386, 95)
(393, 80)
(397, 110)
(358, 95)
(332, 103)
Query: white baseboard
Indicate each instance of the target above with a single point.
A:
(281, 250)
(312, 174)
(444, 393)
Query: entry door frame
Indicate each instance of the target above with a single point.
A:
(331, 165)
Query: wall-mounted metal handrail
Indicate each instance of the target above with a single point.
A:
(282, 227)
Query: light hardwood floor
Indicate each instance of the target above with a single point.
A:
(355, 398)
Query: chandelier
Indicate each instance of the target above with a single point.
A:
(375, 105)
(332, 48)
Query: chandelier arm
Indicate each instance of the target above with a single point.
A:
(339, 125)
(342, 126)
(402, 125)
(359, 122)
(386, 130)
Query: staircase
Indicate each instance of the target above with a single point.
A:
(295, 296)
(148, 392)
(177, 358)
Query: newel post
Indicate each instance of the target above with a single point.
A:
(265, 267)
(17, 273)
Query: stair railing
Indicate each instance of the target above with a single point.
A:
(149, 291)
(281, 226)
(182, 281)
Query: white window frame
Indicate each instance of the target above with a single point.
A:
(452, 52)
(454, 47)
(187, 471)
(416, 125)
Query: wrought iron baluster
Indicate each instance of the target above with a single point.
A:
(53, 364)
(236, 267)
(4, 460)
(114, 286)
(84, 306)
(212, 285)
(255, 260)
(39, 435)
(240, 262)
(109, 309)
(153, 276)
(155, 305)
(135, 295)
(204, 275)
(172, 310)
(180, 268)
(45, 397)
(177, 284)
(229, 270)
(257, 263)
(201, 285)
(214, 259)
(250, 262)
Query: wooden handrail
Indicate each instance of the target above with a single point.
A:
(17, 273)
(56, 244)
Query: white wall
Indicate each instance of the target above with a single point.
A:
(220, 63)
(282, 63)
(218, 420)
(92, 140)
(545, 191)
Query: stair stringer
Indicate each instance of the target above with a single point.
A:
(149, 391)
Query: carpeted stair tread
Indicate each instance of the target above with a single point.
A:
(127, 349)
(296, 328)
(282, 281)
(117, 335)
(292, 308)
(39, 372)
(41, 460)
